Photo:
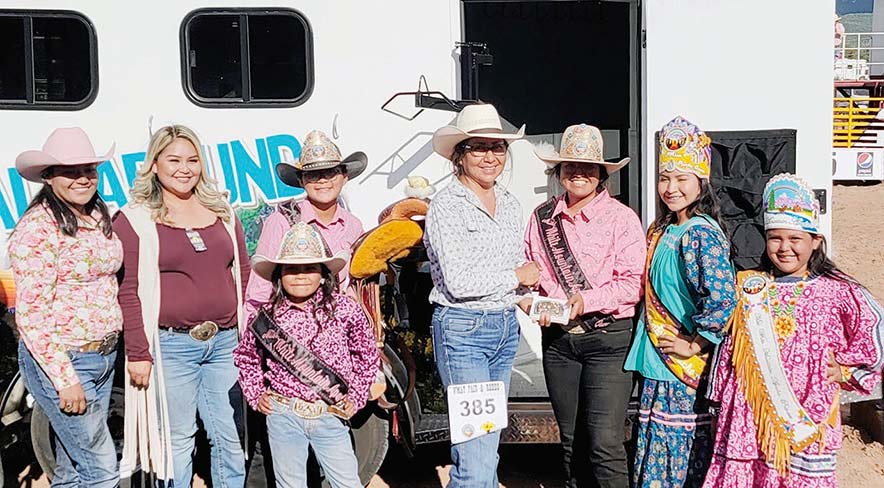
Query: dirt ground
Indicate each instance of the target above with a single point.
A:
(858, 240)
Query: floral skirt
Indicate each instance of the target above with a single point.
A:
(674, 444)
(806, 471)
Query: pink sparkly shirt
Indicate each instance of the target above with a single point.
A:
(345, 344)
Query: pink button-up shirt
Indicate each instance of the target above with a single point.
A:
(340, 234)
(608, 243)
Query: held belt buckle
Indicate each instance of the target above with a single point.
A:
(308, 410)
(204, 331)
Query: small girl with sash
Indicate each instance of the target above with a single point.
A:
(803, 330)
(307, 360)
(689, 296)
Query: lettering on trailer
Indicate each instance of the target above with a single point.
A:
(247, 169)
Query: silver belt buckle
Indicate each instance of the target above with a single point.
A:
(204, 331)
(307, 410)
(108, 344)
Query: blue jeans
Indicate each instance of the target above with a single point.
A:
(200, 377)
(472, 346)
(84, 451)
(291, 435)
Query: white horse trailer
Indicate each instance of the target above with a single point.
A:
(252, 77)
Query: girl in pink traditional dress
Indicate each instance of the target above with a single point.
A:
(802, 331)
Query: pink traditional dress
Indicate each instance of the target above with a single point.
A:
(829, 315)
(779, 424)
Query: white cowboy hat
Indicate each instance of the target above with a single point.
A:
(302, 244)
(319, 152)
(479, 120)
(581, 144)
(69, 146)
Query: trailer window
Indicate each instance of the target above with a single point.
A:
(48, 60)
(247, 57)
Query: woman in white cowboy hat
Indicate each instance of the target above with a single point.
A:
(474, 241)
(65, 257)
(307, 360)
(591, 252)
(184, 273)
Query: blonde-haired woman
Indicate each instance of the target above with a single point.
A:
(184, 272)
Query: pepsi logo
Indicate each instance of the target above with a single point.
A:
(864, 160)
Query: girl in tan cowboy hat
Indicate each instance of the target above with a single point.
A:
(64, 258)
(322, 172)
(591, 252)
(474, 241)
(307, 360)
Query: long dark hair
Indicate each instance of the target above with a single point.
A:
(64, 216)
(819, 264)
(324, 310)
(706, 203)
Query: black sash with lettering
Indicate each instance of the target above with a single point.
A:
(565, 266)
(299, 360)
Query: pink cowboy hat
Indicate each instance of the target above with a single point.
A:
(68, 146)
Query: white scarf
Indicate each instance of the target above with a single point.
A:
(146, 438)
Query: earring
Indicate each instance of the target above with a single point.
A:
(322, 281)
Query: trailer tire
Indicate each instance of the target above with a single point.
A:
(41, 441)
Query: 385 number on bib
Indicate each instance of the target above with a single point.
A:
(476, 409)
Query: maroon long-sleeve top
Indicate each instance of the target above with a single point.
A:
(194, 286)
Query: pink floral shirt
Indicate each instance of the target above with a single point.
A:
(608, 243)
(346, 345)
(66, 290)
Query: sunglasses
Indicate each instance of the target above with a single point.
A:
(321, 174)
(480, 149)
(72, 172)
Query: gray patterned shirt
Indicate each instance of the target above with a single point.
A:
(473, 256)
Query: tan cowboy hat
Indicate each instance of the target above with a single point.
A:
(319, 152)
(69, 146)
(302, 244)
(473, 121)
(581, 144)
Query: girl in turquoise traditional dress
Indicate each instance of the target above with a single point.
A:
(689, 296)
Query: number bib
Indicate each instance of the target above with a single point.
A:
(476, 409)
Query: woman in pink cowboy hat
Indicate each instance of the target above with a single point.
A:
(65, 257)
(591, 252)
(474, 243)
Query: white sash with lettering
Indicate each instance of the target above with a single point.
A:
(784, 426)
